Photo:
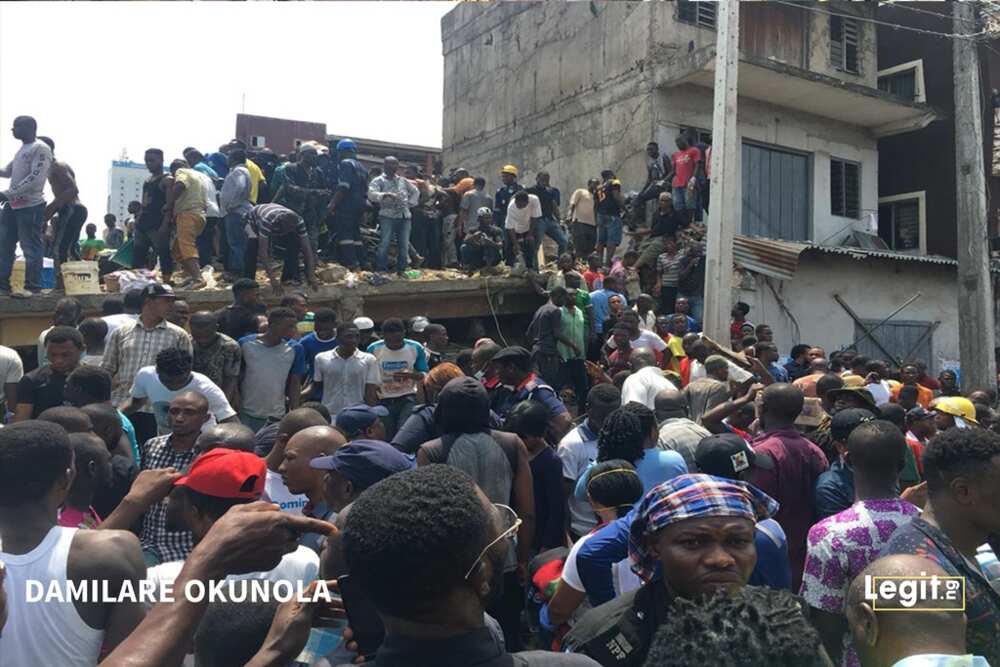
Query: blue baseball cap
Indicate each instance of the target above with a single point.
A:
(365, 462)
(346, 145)
(357, 418)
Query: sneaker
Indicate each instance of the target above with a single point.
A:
(22, 294)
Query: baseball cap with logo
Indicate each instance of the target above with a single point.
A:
(157, 291)
(845, 421)
(727, 455)
(226, 473)
(365, 462)
(357, 418)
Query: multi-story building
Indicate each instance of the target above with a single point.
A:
(125, 179)
(826, 220)
(280, 135)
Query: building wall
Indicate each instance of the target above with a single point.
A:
(280, 134)
(569, 88)
(821, 138)
(125, 181)
(549, 86)
(821, 320)
(905, 167)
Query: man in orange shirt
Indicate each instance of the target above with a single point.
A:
(908, 375)
(818, 367)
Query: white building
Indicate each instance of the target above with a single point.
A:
(125, 179)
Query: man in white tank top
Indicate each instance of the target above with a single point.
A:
(36, 471)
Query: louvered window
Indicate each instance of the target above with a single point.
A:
(698, 12)
(845, 35)
(899, 224)
(845, 188)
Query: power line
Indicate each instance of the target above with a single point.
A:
(971, 36)
(899, 5)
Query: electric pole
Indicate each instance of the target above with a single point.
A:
(976, 337)
(725, 206)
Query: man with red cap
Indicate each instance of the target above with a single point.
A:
(218, 480)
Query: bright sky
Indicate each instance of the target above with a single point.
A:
(102, 77)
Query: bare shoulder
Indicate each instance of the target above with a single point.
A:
(106, 553)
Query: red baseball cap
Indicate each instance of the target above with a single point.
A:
(226, 473)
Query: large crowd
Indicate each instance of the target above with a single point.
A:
(620, 490)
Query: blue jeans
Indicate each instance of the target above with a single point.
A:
(609, 230)
(389, 228)
(236, 237)
(550, 227)
(475, 257)
(24, 225)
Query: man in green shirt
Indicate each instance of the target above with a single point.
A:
(573, 327)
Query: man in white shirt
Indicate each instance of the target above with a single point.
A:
(172, 375)
(578, 449)
(11, 372)
(25, 207)
(346, 376)
(522, 211)
(646, 380)
(217, 481)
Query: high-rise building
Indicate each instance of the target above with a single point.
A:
(125, 179)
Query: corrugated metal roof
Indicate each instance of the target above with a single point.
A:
(780, 259)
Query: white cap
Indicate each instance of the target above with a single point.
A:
(364, 323)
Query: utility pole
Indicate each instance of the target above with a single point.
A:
(725, 207)
(976, 335)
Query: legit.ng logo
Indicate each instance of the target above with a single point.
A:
(916, 593)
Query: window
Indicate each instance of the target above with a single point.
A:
(902, 220)
(903, 84)
(776, 193)
(845, 33)
(257, 141)
(905, 80)
(906, 340)
(845, 188)
(698, 12)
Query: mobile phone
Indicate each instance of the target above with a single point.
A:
(362, 616)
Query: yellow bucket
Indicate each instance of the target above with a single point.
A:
(81, 278)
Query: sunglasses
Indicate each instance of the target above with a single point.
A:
(509, 522)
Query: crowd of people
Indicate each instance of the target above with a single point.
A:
(619, 490)
(242, 209)
(587, 500)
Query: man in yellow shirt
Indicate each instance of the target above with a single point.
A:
(187, 202)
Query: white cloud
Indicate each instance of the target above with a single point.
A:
(102, 77)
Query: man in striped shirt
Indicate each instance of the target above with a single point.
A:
(274, 221)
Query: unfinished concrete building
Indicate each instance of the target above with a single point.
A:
(572, 88)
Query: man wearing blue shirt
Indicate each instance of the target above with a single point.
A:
(348, 205)
(599, 300)
(403, 363)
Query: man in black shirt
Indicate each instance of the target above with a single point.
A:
(152, 229)
(239, 319)
(548, 224)
(666, 222)
(42, 388)
(428, 549)
(692, 280)
(609, 203)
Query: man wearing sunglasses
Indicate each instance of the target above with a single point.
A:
(428, 548)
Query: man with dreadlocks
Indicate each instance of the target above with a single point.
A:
(630, 433)
(691, 537)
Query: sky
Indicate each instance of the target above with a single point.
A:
(102, 77)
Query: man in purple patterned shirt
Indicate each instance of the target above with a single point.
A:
(842, 545)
